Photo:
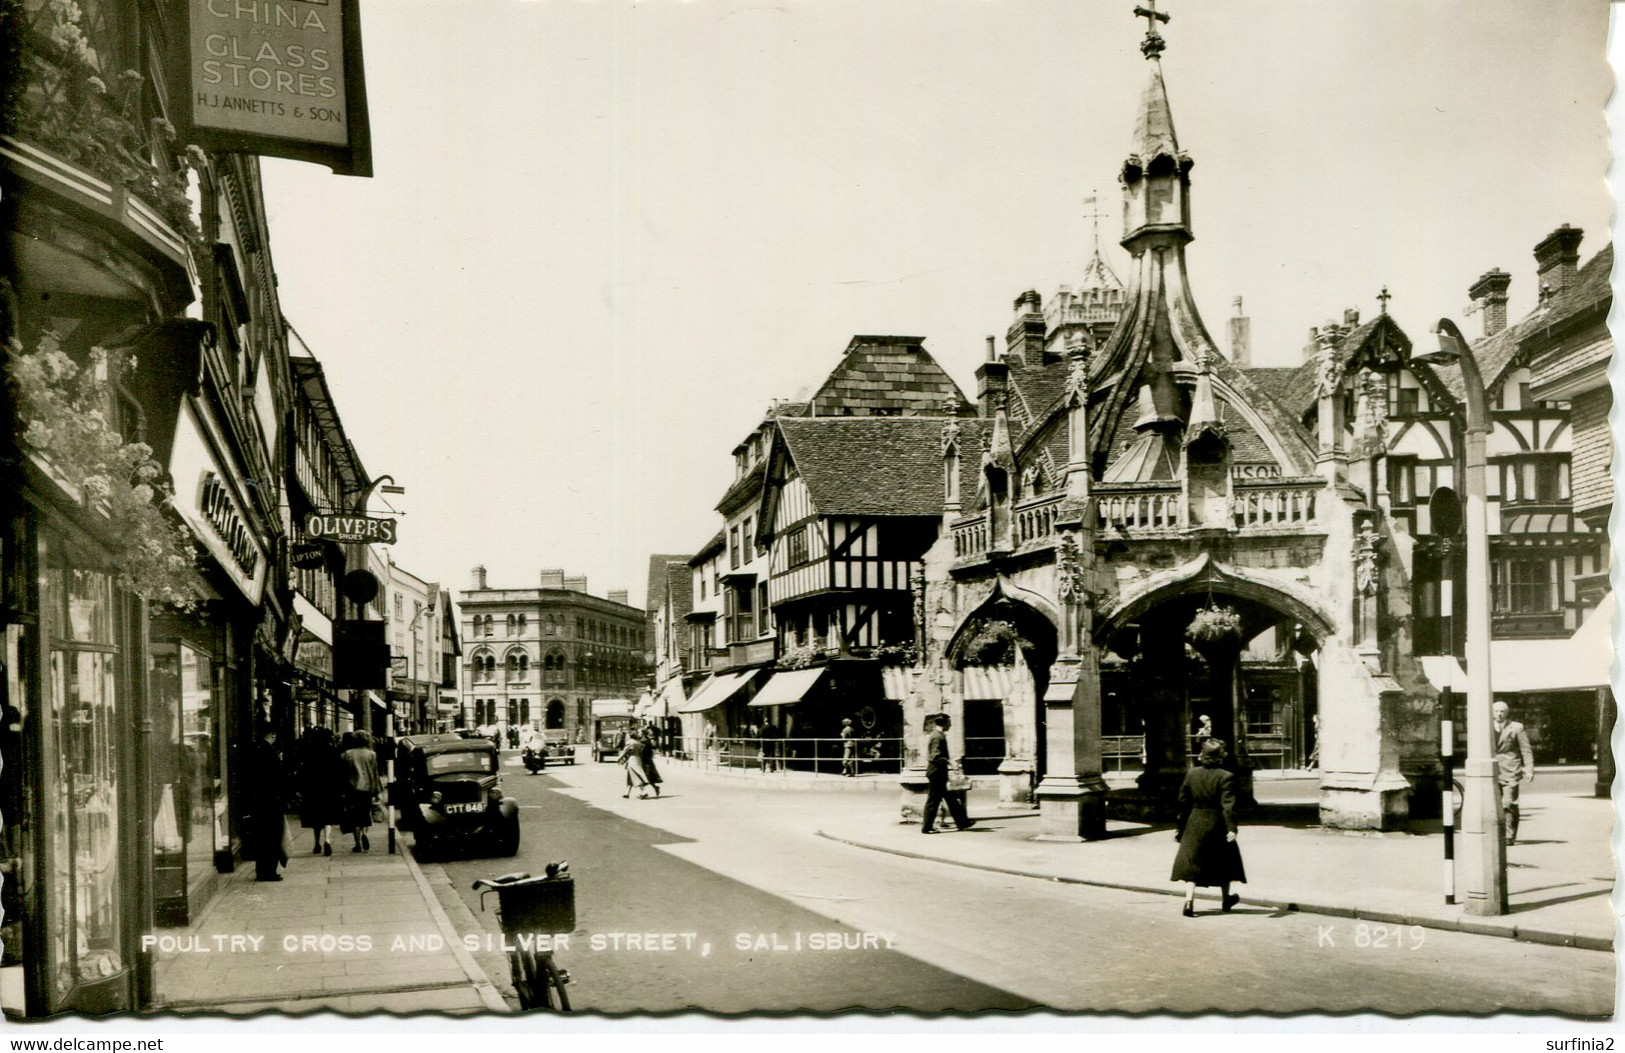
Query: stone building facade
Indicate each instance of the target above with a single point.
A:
(538, 657)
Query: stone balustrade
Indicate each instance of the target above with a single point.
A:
(1276, 504)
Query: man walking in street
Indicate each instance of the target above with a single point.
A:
(849, 749)
(1514, 765)
(936, 779)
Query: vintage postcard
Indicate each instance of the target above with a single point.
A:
(1090, 509)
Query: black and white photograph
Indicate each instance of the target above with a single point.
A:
(1090, 513)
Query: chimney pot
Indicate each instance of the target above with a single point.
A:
(1557, 258)
(1490, 293)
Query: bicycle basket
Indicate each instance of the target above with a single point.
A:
(546, 906)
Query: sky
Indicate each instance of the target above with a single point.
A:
(602, 237)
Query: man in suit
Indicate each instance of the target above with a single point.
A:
(936, 779)
(1514, 765)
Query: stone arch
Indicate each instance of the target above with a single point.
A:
(554, 718)
(1204, 574)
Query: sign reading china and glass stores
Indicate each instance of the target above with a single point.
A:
(279, 77)
(351, 529)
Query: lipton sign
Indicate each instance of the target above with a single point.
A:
(360, 529)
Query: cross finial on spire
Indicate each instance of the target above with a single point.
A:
(1153, 43)
(1092, 203)
(1383, 298)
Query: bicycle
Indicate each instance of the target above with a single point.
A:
(528, 909)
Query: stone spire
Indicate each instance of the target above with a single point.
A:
(1160, 327)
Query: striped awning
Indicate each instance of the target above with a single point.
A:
(715, 691)
(789, 686)
(986, 681)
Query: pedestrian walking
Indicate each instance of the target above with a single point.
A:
(772, 747)
(1514, 765)
(936, 779)
(322, 786)
(1208, 854)
(849, 749)
(631, 758)
(647, 754)
(359, 764)
(268, 826)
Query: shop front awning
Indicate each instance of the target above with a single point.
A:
(1578, 663)
(670, 698)
(644, 709)
(894, 682)
(715, 691)
(986, 681)
(789, 686)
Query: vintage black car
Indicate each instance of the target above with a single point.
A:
(448, 790)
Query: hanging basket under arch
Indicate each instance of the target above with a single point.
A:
(1215, 628)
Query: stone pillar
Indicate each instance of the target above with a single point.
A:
(1017, 769)
(1361, 787)
(1072, 795)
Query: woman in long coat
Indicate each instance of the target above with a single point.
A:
(631, 758)
(647, 754)
(322, 785)
(360, 767)
(1208, 853)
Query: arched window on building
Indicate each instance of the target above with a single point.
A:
(521, 625)
(510, 625)
(555, 714)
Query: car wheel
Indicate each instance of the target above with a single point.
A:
(422, 848)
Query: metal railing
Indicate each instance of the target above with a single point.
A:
(820, 756)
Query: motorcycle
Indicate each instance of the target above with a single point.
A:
(534, 757)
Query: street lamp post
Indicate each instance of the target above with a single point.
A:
(1482, 833)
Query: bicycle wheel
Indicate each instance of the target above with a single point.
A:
(553, 979)
(527, 983)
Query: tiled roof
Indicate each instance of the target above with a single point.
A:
(887, 374)
(1286, 385)
(658, 576)
(1591, 292)
(890, 466)
(710, 548)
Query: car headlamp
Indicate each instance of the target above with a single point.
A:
(434, 798)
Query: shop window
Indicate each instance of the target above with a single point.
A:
(81, 785)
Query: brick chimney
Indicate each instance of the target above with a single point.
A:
(992, 380)
(1490, 293)
(576, 582)
(553, 579)
(1241, 339)
(619, 596)
(1557, 259)
(1024, 340)
(479, 577)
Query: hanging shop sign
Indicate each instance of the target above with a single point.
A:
(307, 554)
(281, 78)
(207, 502)
(360, 529)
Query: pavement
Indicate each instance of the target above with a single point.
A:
(1559, 878)
(350, 933)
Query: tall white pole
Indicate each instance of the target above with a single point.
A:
(1482, 833)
